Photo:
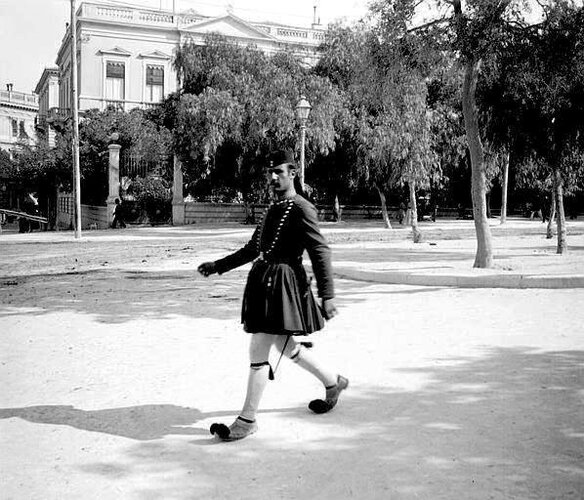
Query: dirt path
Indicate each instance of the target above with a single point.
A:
(111, 375)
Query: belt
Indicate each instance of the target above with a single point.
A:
(269, 259)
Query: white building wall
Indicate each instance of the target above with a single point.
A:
(138, 37)
(134, 48)
(23, 108)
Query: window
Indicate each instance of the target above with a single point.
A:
(14, 127)
(115, 81)
(21, 130)
(154, 83)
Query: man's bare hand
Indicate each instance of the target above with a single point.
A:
(329, 309)
(207, 268)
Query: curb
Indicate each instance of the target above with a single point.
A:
(486, 281)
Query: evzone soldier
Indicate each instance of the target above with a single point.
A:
(279, 309)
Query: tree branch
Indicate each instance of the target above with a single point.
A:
(427, 25)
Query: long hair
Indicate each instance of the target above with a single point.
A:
(298, 186)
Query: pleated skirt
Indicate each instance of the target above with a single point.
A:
(278, 300)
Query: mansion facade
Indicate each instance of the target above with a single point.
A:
(18, 118)
(125, 54)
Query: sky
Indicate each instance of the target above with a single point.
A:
(31, 30)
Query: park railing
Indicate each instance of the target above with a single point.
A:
(92, 217)
(216, 212)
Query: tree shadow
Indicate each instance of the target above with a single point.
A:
(120, 296)
(509, 424)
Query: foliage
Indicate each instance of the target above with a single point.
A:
(541, 79)
(6, 165)
(138, 135)
(389, 134)
(37, 168)
(154, 196)
(236, 105)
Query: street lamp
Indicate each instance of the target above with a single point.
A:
(302, 112)
(75, 121)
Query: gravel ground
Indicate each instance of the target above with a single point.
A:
(116, 357)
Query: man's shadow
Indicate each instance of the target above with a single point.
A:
(143, 423)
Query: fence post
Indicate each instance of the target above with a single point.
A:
(113, 180)
(178, 204)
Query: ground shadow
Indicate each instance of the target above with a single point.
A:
(124, 295)
(142, 423)
(509, 424)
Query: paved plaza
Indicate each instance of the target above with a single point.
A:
(116, 356)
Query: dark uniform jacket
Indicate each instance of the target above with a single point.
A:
(289, 227)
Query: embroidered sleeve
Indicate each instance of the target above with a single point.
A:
(318, 251)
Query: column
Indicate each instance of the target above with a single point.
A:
(178, 204)
(113, 180)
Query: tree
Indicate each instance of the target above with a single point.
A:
(544, 92)
(390, 126)
(469, 31)
(237, 104)
(36, 169)
(139, 135)
(556, 58)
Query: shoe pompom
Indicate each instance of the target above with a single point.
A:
(220, 430)
(319, 406)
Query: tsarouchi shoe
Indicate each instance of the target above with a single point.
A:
(242, 427)
(332, 396)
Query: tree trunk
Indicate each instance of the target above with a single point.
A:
(552, 215)
(561, 216)
(415, 231)
(384, 213)
(504, 187)
(484, 255)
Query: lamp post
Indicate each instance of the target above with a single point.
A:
(75, 117)
(302, 112)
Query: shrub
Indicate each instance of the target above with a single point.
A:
(154, 197)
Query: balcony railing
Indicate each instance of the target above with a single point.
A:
(19, 98)
(58, 117)
(137, 15)
(41, 122)
(115, 104)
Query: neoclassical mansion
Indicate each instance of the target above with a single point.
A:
(125, 53)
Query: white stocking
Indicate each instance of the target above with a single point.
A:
(306, 360)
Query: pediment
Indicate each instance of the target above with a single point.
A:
(229, 26)
(116, 51)
(156, 54)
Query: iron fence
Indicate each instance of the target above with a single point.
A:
(133, 166)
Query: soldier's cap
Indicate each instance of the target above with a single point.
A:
(281, 157)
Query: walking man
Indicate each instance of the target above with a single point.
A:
(118, 215)
(278, 305)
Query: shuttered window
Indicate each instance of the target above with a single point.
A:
(154, 83)
(115, 81)
(115, 70)
(154, 75)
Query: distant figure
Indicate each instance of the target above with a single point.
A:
(118, 215)
(461, 212)
(401, 213)
(30, 206)
(408, 217)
